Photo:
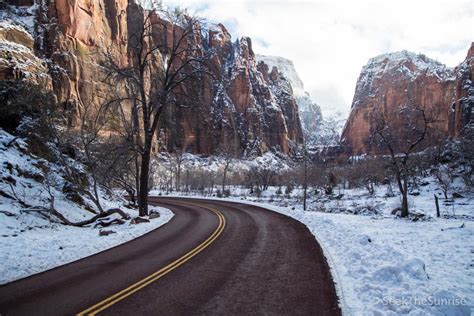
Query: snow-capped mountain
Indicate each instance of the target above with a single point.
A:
(318, 130)
(395, 81)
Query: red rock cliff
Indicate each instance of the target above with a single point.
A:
(248, 106)
(393, 81)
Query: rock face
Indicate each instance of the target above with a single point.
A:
(463, 107)
(17, 57)
(391, 82)
(317, 130)
(247, 105)
(250, 108)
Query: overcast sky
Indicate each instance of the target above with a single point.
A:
(329, 41)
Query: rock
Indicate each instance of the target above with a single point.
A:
(253, 108)
(457, 195)
(364, 240)
(16, 34)
(390, 82)
(104, 232)
(17, 56)
(139, 220)
(154, 215)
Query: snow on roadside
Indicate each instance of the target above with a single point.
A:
(388, 266)
(34, 250)
(29, 242)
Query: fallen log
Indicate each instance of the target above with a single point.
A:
(65, 221)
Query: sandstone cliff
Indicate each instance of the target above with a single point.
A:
(394, 81)
(318, 130)
(463, 106)
(247, 105)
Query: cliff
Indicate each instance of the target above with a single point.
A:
(247, 104)
(463, 106)
(391, 82)
(318, 130)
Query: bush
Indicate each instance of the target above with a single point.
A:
(226, 193)
(23, 103)
(278, 192)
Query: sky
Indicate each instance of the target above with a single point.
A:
(330, 41)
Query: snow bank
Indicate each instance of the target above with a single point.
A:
(26, 250)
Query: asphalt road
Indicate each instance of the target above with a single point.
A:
(212, 258)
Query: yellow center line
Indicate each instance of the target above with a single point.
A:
(106, 303)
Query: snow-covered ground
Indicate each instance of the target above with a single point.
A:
(385, 265)
(30, 242)
(31, 245)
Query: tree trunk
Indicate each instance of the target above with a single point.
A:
(404, 205)
(405, 198)
(224, 180)
(305, 184)
(144, 180)
(437, 205)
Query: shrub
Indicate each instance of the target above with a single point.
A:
(226, 193)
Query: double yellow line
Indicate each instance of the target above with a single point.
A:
(117, 297)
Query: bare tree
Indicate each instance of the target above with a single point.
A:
(260, 177)
(227, 156)
(165, 54)
(178, 159)
(445, 177)
(401, 140)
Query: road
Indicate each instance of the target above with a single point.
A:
(212, 258)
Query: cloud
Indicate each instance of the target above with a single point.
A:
(329, 41)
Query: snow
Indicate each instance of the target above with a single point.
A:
(287, 68)
(30, 246)
(411, 65)
(319, 130)
(31, 243)
(383, 265)
(19, 15)
(396, 60)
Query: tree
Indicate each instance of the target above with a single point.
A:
(261, 177)
(445, 177)
(178, 158)
(305, 175)
(401, 140)
(165, 54)
(226, 154)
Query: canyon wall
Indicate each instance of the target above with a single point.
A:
(248, 106)
(390, 83)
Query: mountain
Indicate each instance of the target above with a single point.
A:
(62, 46)
(391, 82)
(463, 106)
(318, 130)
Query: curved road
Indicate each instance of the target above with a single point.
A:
(213, 257)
